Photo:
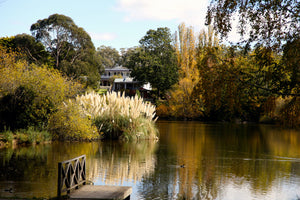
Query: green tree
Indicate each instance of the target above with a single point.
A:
(154, 61)
(110, 57)
(70, 46)
(33, 51)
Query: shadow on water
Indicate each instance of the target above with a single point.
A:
(192, 160)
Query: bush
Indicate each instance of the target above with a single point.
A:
(68, 123)
(7, 136)
(29, 94)
(117, 116)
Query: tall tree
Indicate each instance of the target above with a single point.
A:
(69, 45)
(110, 57)
(155, 60)
(181, 94)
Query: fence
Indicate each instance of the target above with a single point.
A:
(71, 174)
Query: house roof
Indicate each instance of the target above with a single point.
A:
(117, 68)
(125, 80)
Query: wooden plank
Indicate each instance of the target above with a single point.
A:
(107, 192)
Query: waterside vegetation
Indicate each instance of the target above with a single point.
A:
(39, 103)
(112, 115)
(48, 80)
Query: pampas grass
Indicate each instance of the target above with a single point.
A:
(117, 116)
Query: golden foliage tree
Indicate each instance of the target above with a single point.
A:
(29, 93)
(181, 94)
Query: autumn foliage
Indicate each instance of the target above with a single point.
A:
(218, 82)
(29, 94)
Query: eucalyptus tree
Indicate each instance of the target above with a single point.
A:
(70, 46)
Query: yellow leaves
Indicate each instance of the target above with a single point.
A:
(180, 103)
(7, 57)
(69, 123)
(43, 81)
(46, 88)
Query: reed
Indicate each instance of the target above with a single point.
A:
(117, 116)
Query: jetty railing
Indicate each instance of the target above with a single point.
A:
(71, 174)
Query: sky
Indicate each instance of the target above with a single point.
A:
(115, 23)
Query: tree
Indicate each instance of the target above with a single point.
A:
(110, 57)
(33, 51)
(275, 27)
(261, 20)
(181, 94)
(155, 60)
(69, 45)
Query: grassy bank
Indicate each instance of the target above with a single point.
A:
(28, 136)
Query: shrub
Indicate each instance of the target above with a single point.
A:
(8, 136)
(29, 94)
(68, 123)
(117, 116)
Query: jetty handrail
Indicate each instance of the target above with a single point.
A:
(71, 174)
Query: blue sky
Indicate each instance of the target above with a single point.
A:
(115, 23)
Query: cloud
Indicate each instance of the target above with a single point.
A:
(103, 36)
(191, 12)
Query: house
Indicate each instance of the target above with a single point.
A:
(118, 79)
(109, 73)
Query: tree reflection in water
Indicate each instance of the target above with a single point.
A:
(224, 161)
(32, 171)
(191, 160)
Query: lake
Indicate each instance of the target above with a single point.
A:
(192, 160)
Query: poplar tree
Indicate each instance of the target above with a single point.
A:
(181, 94)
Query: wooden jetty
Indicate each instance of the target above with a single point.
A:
(72, 179)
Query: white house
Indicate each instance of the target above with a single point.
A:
(115, 71)
(123, 82)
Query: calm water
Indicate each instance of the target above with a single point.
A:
(192, 160)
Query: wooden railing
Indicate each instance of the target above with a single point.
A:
(71, 174)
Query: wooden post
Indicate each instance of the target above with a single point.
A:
(59, 183)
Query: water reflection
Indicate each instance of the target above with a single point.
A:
(119, 162)
(32, 171)
(223, 161)
(192, 160)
